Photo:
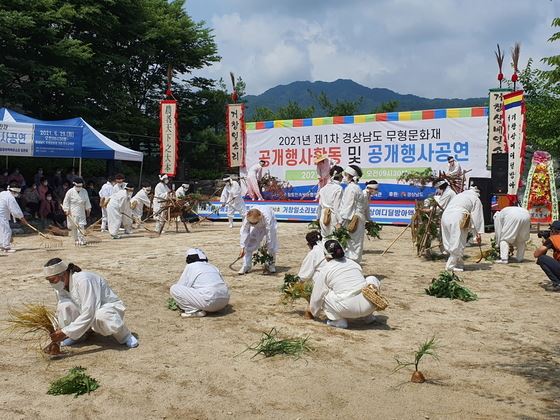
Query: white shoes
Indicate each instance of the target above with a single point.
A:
(339, 323)
(501, 261)
(271, 268)
(67, 342)
(457, 269)
(244, 270)
(197, 314)
(131, 342)
(231, 225)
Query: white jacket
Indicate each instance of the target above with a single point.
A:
(75, 204)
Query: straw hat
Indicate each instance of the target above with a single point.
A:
(320, 158)
(254, 216)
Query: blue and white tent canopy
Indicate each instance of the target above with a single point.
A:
(21, 135)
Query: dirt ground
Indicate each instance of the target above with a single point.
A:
(499, 356)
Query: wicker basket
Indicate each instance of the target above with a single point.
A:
(327, 217)
(371, 293)
(353, 225)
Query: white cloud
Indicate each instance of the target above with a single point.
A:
(438, 48)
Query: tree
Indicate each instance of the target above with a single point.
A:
(542, 99)
(290, 111)
(553, 75)
(339, 108)
(390, 106)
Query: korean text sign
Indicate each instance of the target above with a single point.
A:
(384, 147)
(169, 137)
(514, 134)
(16, 139)
(235, 126)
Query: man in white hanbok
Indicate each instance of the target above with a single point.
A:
(463, 213)
(9, 208)
(323, 170)
(315, 258)
(119, 212)
(453, 167)
(352, 213)
(182, 191)
(330, 197)
(76, 206)
(161, 193)
(372, 187)
(258, 224)
(201, 288)
(85, 301)
(512, 226)
(254, 175)
(105, 194)
(232, 199)
(139, 201)
(338, 289)
(444, 194)
(119, 183)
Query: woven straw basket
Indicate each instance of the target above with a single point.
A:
(371, 293)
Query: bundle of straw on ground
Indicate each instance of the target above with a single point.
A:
(37, 320)
(270, 345)
(294, 289)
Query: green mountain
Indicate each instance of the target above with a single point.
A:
(348, 90)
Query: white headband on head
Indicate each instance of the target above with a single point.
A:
(197, 251)
(162, 177)
(439, 183)
(227, 178)
(53, 270)
(372, 186)
(185, 185)
(14, 189)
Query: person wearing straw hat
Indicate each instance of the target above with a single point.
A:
(323, 169)
(117, 207)
(330, 197)
(258, 224)
(338, 288)
(201, 288)
(105, 194)
(352, 213)
(85, 301)
(139, 201)
(512, 227)
(462, 214)
(9, 208)
(254, 175)
(232, 199)
(76, 206)
(161, 193)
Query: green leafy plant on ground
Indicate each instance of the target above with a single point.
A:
(262, 256)
(446, 285)
(373, 229)
(340, 234)
(75, 382)
(171, 304)
(293, 288)
(270, 345)
(493, 253)
(427, 348)
(314, 225)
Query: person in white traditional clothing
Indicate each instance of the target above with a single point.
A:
(139, 201)
(9, 208)
(323, 170)
(315, 258)
(330, 197)
(232, 199)
(76, 207)
(182, 191)
(338, 289)
(463, 213)
(161, 193)
(453, 167)
(444, 194)
(201, 288)
(105, 194)
(512, 226)
(352, 213)
(119, 212)
(119, 183)
(258, 224)
(85, 302)
(371, 188)
(254, 175)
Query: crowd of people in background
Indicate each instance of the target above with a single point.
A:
(42, 194)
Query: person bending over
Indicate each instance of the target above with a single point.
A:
(551, 265)
(201, 288)
(85, 301)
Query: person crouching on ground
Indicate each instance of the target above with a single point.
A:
(315, 258)
(551, 265)
(85, 301)
(512, 226)
(257, 225)
(201, 288)
(338, 289)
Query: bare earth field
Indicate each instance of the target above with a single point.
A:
(500, 355)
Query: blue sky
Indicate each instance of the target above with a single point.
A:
(431, 48)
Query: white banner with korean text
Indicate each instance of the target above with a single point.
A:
(16, 139)
(496, 143)
(383, 149)
(235, 127)
(514, 134)
(169, 137)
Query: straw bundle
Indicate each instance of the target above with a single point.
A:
(34, 319)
